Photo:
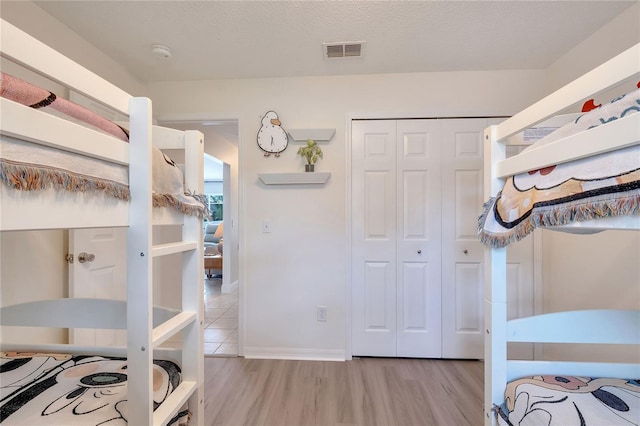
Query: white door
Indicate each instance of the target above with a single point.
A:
(396, 238)
(417, 264)
(102, 276)
(374, 238)
(462, 252)
(418, 239)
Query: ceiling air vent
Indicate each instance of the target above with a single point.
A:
(347, 49)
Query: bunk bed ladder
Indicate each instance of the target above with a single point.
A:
(142, 338)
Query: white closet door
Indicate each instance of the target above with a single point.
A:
(103, 277)
(374, 238)
(417, 271)
(418, 238)
(462, 253)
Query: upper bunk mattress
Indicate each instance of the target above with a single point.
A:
(29, 166)
(601, 186)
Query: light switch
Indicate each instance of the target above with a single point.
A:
(266, 226)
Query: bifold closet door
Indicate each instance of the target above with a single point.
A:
(396, 238)
(462, 252)
(418, 238)
(417, 264)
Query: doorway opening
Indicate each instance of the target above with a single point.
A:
(221, 284)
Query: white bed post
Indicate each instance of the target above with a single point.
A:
(139, 269)
(495, 292)
(193, 279)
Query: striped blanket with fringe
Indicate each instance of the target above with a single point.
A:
(600, 186)
(28, 166)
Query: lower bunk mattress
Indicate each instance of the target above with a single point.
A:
(64, 389)
(568, 400)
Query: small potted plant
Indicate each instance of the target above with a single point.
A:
(310, 152)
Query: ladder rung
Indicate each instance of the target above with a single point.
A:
(174, 402)
(171, 327)
(171, 248)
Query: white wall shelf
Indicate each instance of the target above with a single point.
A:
(294, 178)
(318, 135)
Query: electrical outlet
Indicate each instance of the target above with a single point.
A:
(321, 313)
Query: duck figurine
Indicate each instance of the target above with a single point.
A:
(272, 138)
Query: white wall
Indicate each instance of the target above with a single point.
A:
(303, 262)
(603, 270)
(618, 35)
(599, 271)
(32, 267)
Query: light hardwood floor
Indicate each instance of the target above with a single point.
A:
(366, 391)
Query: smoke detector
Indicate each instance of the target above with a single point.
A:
(343, 49)
(161, 51)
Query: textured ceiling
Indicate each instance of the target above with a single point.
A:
(254, 39)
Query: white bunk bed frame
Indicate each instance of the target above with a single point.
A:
(588, 326)
(147, 327)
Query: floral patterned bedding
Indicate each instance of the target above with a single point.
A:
(568, 401)
(63, 389)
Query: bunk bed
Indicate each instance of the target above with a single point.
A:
(145, 382)
(603, 147)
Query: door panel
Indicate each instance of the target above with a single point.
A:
(373, 239)
(379, 290)
(376, 201)
(414, 297)
(418, 238)
(468, 298)
(462, 253)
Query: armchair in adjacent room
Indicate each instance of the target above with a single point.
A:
(213, 241)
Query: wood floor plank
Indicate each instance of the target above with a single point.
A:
(366, 391)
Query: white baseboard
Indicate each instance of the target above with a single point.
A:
(228, 288)
(304, 354)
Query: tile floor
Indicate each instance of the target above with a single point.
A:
(221, 320)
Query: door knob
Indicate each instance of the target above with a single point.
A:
(419, 251)
(86, 257)
(465, 251)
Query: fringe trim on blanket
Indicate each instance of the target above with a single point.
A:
(170, 200)
(202, 199)
(625, 204)
(36, 178)
(33, 178)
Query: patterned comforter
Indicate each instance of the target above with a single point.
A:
(600, 186)
(63, 389)
(568, 401)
